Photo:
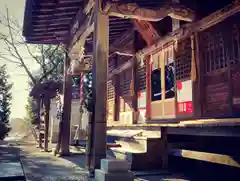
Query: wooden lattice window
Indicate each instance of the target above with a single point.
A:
(183, 58)
(220, 44)
(141, 76)
(111, 90)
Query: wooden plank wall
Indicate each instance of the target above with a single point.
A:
(111, 94)
(125, 87)
(220, 54)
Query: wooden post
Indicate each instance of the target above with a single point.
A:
(67, 104)
(100, 71)
(148, 88)
(135, 80)
(134, 92)
(199, 82)
(117, 94)
(164, 149)
(46, 120)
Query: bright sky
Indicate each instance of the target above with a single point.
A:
(18, 76)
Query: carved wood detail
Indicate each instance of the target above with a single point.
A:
(133, 11)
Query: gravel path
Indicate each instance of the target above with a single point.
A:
(40, 166)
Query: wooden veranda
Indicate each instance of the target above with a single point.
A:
(137, 36)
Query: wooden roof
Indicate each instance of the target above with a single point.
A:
(50, 21)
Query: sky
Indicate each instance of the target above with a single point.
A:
(18, 76)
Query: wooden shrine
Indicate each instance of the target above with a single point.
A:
(159, 67)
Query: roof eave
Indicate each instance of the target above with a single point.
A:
(27, 17)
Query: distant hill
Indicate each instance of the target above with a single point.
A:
(19, 127)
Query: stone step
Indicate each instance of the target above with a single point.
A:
(101, 175)
(109, 165)
(151, 155)
(134, 143)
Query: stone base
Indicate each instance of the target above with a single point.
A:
(113, 170)
(101, 175)
(108, 165)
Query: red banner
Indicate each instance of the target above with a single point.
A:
(185, 107)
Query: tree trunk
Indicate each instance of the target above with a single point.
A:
(46, 119)
(67, 103)
(58, 146)
(38, 108)
(38, 111)
(60, 127)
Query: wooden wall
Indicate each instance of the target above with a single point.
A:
(220, 56)
(218, 66)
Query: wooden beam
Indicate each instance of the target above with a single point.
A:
(65, 24)
(47, 42)
(121, 68)
(204, 156)
(38, 33)
(189, 29)
(175, 129)
(81, 29)
(81, 18)
(89, 6)
(148, 32)
(122, 43)
(133, 11)
(50, 15)
(46, 2)
(100, 71)
(52, 9)
(79, 39)
(219, 131)
(49, 29)
(45, 20)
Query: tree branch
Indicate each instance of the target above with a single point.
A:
(16, 51)
(8, 59)
(49, 72)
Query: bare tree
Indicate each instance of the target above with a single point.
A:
(48, 58)
(17, 51)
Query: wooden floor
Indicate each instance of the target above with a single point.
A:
(185, 123)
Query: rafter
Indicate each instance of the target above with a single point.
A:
(148, 32)
(133, 11)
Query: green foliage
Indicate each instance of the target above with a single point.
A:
(5, 102)
(51, 60)
(31, 116)
(87, 92)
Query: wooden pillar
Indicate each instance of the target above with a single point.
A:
(134, 92)
(148, 88)
(164, 148)
(117, 93)
(46, 120)
(100, 71)
(67, 104)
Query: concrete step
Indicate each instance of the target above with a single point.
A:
(101, 175)
(134, 143)
(141, 152)
(110, 165)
